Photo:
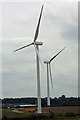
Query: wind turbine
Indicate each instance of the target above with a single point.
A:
(36, 45)
(49, 70)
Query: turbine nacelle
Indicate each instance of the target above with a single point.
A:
(38, 43)
(46, 62)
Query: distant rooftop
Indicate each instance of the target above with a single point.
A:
(28, 105)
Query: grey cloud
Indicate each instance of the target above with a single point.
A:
(71, 32)
(19, 69)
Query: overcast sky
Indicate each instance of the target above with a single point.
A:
(58, 28)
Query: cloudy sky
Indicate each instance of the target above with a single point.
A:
(58, 28)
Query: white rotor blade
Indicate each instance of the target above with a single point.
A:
(41, 57)
(37, 52)
(37, 29)
(57, 54)
(50, 75)
(41, 61)
(23, 47)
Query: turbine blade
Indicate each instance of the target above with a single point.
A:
(40, 59)
(37, 29)
(50, 75)
(57, 54)
(23, 47)
(37, 52)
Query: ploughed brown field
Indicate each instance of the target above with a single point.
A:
(55, 110)
(62, 110)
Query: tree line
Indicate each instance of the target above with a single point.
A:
(61, 101)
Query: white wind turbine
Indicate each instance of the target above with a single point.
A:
(49, 70)
(36, 45)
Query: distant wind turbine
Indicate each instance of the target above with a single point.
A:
(49, 70)
(36, 45)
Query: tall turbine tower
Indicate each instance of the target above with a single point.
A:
(36, 45)
(49, 70)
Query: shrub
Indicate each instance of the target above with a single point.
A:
(33, 116)
(52, 115)
(60, 115)
(4, 118)
(70, 114)
(78, 114)
(42, 116)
